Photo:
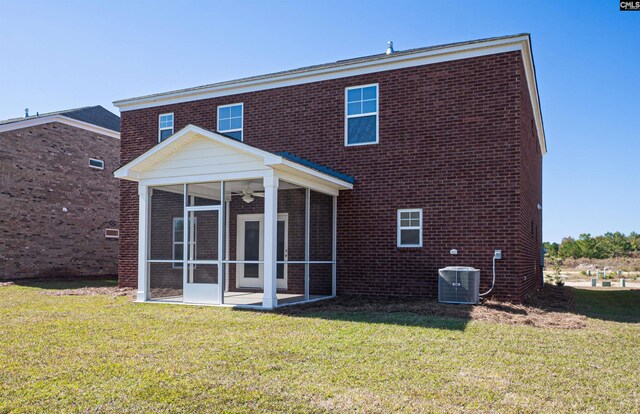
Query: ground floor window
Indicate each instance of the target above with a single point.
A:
(178, 240)
(410, 228)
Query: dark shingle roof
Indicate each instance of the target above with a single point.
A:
(317, 167)
(96, 115)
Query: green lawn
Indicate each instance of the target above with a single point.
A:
(108, 354)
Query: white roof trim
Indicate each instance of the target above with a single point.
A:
(132, 170)
(34, 121)
(455, 52)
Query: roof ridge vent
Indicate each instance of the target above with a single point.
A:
(390, 47)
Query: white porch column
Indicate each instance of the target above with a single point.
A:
(307, 230)
(334, 246)
(143, 223)
(270, 298)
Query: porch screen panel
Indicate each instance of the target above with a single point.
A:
(166, 241)
(245, 234)
(165, 281)
(204, 194)
(291, 237)
(165, 219)
(321, 227)
(202, 235)
(203, 273)
(320, 279)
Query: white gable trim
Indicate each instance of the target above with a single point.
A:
(133, 170)
(35, 121)
(378, 64)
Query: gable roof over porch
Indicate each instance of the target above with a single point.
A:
(197, 154)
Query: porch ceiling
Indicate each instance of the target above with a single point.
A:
(196, 154)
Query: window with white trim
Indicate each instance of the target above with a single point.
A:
(410, 227)
(165, 126)
(112, 233)
(178, 239)
(96, 163)
(361, 111)
(230, 120)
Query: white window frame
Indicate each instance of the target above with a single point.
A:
(400, 227)
(241, 129)
(178, 264)
(94, 166)
(347, 116)
(173, 122)
(112, 233)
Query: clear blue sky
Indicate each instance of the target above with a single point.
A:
(64, 54)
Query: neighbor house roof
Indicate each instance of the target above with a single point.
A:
(358, 66)
(94, 118)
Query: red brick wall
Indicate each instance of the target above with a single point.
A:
(450, 143)
(530, 196)
(43, 170)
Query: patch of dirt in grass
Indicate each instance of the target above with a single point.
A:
(3, 284)
(551, 307)
(92, 291)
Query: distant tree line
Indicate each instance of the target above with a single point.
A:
(600, 247)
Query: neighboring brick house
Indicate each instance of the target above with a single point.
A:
(58, 196)
(439, 149)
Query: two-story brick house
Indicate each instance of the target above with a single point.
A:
(363, 176)
(58, 196)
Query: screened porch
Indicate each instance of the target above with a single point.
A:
(239, 226)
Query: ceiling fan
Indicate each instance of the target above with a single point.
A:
(248, 195)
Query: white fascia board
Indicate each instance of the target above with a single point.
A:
(131, 170)
(344, 185)
(35, 121)
(336, 72)
(203, 178)
(308, 182)
(530, 71)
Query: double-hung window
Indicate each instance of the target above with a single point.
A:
(230, 120)
(178, 240)
(165, 126)
(410, 228)
(361, 108)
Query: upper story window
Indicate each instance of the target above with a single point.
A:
(165, 126)
(96, 163)
(410, 227)
(361, 108)
(230, 120)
